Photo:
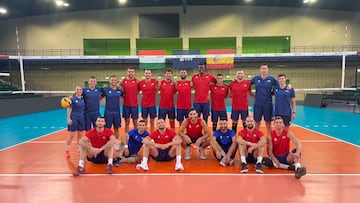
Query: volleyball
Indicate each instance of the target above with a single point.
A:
(65, 102)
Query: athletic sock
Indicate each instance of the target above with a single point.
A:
(259, 159)
(178, 159)
(110, 161)
(223, 153)
(234, 127)
(81, 163)
(297, 165)
(243, 159)
(144, 160)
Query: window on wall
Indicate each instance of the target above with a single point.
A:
(204, 44)
(105, 47)
(158, 25)
(267, 44)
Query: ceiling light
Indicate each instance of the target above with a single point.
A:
(122, 1)
(3, 11)
(66, 4)
(59, 3)
(309, 1)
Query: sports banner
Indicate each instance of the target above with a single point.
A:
(185, 59)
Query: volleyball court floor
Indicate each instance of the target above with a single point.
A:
(37, 171)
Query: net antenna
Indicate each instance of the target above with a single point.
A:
(20, 60)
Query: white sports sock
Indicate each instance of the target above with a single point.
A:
(223, 153)
(178, 158)
(110, 161)
(297, 165)
(243, 159)
(81, 163)
(259, 159)
(144, 160)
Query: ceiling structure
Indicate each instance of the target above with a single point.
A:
(25, 8)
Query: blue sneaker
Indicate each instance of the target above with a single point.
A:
(117, 162)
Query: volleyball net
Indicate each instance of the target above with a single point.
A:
(307, 72)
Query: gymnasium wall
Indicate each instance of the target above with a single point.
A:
(307, 27)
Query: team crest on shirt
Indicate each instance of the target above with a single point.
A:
(283, 137)
(87, 90)
(275, 139)
(104, 137)
(96, 90)
(268, 80)
(197, 126)
(125, 81)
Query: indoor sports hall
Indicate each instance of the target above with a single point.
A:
(47, 48)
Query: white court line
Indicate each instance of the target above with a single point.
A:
(49, 142)
(29, 140)
(167, 174)
(320, 141)
(327, 136)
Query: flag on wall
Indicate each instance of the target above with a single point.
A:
(152, 59)
(186, 59)
(220, 61)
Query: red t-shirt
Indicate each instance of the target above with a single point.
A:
(149, 90)
(281, 144)
(251, 136)
(165, 138)
(131, 91)
(184, 94)
(202, 86)
(218, 94)
(239, 92)
(99, 139)
(167, 92)
(194, 130)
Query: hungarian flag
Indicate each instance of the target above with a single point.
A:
(152, 59)
(224, 58)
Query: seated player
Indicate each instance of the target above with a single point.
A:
(97, 147)
(223, 143)
(279, 149)
(163, 145)
(131, 143)
(251, 143)
(197, 132)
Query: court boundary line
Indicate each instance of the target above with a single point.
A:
(355, 145)
(168, 174)
(20, 143)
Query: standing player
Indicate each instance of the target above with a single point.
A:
(183, 87)
(251, 143)
(148, 87)
(112, 116)
(97, 147)
(219, 91)
(91, 96)
(167, 92)
(163, 145)
(223, 143)
(201, 82)
(131, 143)
(239, 91)
(197, 132)
(75, 118)
(263, 106)
(285, 102)
(130, 104)
(278, 149)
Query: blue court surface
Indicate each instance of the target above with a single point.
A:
(340, 125)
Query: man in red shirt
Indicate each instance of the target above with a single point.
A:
(130, 104)
(167, 91)
(219, 92)
(183, 87)
(163, 145)
(239, 91)
(149, 88)
(278, 148)
(201, 82)
(251, 143)
(97, 147)
(197, 132)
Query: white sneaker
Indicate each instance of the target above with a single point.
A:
(179, 167)
(187, 153)
(142, 166)
(202, 153)
(116, 147)
(231, 162)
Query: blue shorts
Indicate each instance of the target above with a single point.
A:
(235, 114)
(216, 115)
(131, 110)
(112, 118)
(286, 119)
(181, 114)
(226, 149)
(78, 124)
(283, 159)
(193, 140)
(99, 159)
(90, 120)
(167, 111)
(163, 155)
(203, 108)
(263, 110)
(146, 111)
